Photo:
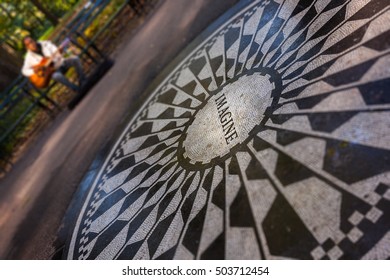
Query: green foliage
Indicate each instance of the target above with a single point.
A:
(19, 18)
(99, 22)
(59, 8)
(47, 33)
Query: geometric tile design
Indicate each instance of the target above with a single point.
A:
(270, 139)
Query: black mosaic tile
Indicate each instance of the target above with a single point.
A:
(288, 83)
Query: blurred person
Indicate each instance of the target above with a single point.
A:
(44, 61)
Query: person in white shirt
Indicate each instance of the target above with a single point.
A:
(36, 51)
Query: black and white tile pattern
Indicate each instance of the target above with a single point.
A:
(270, 140)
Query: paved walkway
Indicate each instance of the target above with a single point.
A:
(35, 195)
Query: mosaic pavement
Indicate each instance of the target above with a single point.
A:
(269, 140)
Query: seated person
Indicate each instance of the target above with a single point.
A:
(36, 51)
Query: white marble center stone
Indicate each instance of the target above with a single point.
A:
(228, 117)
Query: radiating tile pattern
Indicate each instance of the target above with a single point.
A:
(270, 140)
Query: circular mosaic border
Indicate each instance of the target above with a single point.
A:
(312, 182)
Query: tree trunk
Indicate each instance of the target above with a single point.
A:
(49, 15)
